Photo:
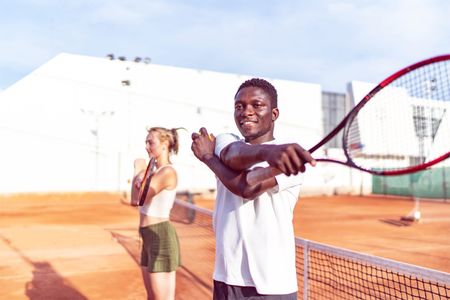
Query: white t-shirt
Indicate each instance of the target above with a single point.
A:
(255, 243)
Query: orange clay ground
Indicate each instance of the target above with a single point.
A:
(85, 246)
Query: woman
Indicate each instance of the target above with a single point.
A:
(160, 248)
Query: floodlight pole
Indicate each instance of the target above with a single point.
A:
(95, 132)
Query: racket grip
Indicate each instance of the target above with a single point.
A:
(261, 174)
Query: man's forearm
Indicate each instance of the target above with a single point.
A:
(235, 181)
(240, 156)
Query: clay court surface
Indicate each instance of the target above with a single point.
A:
(85, 246)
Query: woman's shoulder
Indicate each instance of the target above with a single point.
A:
(169, 177)
(168, 170)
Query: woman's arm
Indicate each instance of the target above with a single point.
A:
(139, 170)
(165, 178)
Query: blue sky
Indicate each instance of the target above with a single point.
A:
(317, 41)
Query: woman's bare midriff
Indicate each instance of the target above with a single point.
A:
(145, 220)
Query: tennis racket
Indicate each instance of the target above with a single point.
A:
(143, 190)
(401, 126)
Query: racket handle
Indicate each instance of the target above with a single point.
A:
(261, 174)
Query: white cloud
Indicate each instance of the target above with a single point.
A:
(130, 12)
(324, 41)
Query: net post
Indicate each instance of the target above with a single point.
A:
(305, 269)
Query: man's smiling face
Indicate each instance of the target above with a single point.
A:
(254, 115)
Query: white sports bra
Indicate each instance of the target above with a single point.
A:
(161, 204)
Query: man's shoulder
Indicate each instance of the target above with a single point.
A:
(225, 139)
(228, 136)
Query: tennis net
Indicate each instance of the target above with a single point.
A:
(323, 271)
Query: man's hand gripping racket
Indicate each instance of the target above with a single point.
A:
(401, 126)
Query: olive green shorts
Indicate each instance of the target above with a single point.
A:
(160, 247)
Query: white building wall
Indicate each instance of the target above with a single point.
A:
(49, 119)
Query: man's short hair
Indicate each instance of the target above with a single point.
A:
(264, 85)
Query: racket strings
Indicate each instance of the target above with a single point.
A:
(405, 124)
(429, 82)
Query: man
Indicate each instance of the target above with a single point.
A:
(255, 243)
